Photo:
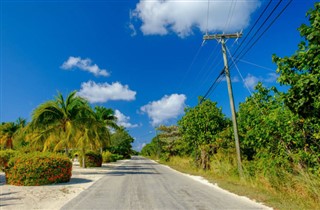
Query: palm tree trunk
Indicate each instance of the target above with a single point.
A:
(9, 144)
(83, 158)
(67, 151)
(83, 161)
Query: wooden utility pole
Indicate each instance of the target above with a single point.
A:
(222, 38)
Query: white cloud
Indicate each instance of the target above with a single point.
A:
(85, 65)
(233, 79)
(123, 120)
(251, 81)
(133, 30)
(272, 77)
(103, 92)
(166, 108)
(181, 16)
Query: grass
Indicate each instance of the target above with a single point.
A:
(300, 191)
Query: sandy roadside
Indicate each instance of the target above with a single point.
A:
(50, 196)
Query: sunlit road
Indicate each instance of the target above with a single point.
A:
(143, 184)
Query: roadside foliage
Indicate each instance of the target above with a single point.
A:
(69, 128)
(279, 131)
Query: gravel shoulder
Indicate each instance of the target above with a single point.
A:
(51, 196)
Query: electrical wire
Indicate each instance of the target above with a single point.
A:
(256, 65)
(256, 22)
(268, 27)
(190, 66)
(212, 87)
(264, 22)
(244, 82)
(239, 57)
(208, 8)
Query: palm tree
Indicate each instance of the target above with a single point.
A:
(57, 122)
(107, 121)
(95, 132)
(9, 131)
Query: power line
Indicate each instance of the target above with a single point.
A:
(215, 81)
(247, 50)
(244, 82)
(212, 87)
(190, 66)
(245, 38)
(268, 27)
(208, 8)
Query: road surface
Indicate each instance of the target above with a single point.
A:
(143, 184)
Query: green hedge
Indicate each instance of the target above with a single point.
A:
(106, 157)
(92, 159)
(5, 156)
(115, 157)
(109, 157)
(38, 169)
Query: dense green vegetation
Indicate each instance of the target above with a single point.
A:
(91, 159)
(68, 126)
(279, 131)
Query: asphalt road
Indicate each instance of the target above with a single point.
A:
(143, 184)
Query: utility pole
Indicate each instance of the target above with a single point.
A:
(222, 38)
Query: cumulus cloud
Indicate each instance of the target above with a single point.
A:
(103, 92)
(168, 107)
(132, 29)
(233, 79)
(123, 120)
(272, 77)
(85, 65)
(251, 81)
(181, 16)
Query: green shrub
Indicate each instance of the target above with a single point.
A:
(38, 169)
(92, 159)
(5, 156)
(115, 157)
(106, 157)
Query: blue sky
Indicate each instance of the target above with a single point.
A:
(144, 59)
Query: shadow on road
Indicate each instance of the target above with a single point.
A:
(122, 173)
(74, 181)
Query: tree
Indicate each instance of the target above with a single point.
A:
(150, 149)
(106, 120)
(270, 131)
(11, 131)
(200, 126)
(301, 71)
(121, 143)
(55, 123)
(168, 138)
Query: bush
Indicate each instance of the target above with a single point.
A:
(5, 156)
(109, 157)
(115, 157)
(106, 157)
(92, 159)
(38, 169)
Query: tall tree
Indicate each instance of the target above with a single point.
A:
(106, 120)
(56, 122)
(170, 139)
(200, 126)
(301, 71)
(121, 142)
(10, 131)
